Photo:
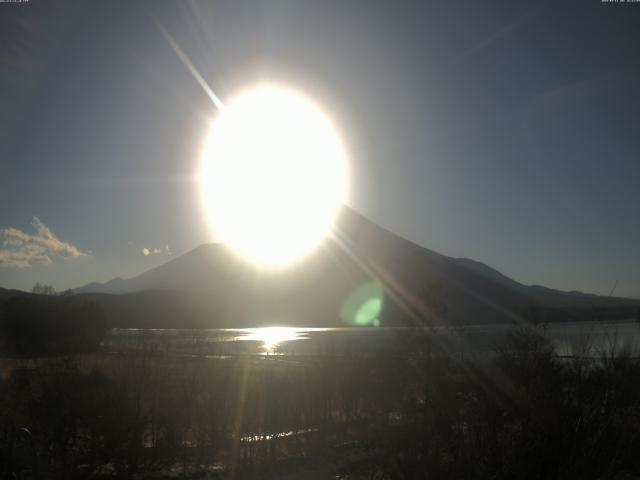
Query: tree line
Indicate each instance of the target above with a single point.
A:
(45, 324)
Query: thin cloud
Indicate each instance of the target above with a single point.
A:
(22, 250)
(495, 37)
(156, 251)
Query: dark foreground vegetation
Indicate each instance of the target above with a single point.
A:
(46, 324)
(519, 413)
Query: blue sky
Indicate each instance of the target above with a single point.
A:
(507, 132)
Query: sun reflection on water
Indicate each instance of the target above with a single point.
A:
(273, 337)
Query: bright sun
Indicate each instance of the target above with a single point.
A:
(273, 175)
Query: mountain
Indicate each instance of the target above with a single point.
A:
(362, 266)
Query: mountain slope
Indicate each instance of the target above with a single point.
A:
(210, 287)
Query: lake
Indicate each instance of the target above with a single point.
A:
(589, 339)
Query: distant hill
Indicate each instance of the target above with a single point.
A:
(210, 287)
(5, 294)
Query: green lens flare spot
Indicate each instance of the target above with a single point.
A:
(368, 312)
(364, 305)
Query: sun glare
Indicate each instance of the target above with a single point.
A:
(273, 176)
(271, 337)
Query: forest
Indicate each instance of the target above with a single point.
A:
(519, 412)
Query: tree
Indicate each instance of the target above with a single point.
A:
(42, 289)
(50, 324)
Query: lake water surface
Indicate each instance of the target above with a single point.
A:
(590, 339)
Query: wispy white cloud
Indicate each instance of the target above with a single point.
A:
(496, 36)
(156, 251)
(22, 250)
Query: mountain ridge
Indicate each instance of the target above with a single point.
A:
(419, 286)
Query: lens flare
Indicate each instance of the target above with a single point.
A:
(364, 305)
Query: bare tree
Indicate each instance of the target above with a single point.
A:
(42, 289)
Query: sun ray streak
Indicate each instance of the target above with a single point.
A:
(393, 288)
(239, 414)
(187, 63)
(419, 313)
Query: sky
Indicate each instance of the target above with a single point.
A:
(507, 132)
